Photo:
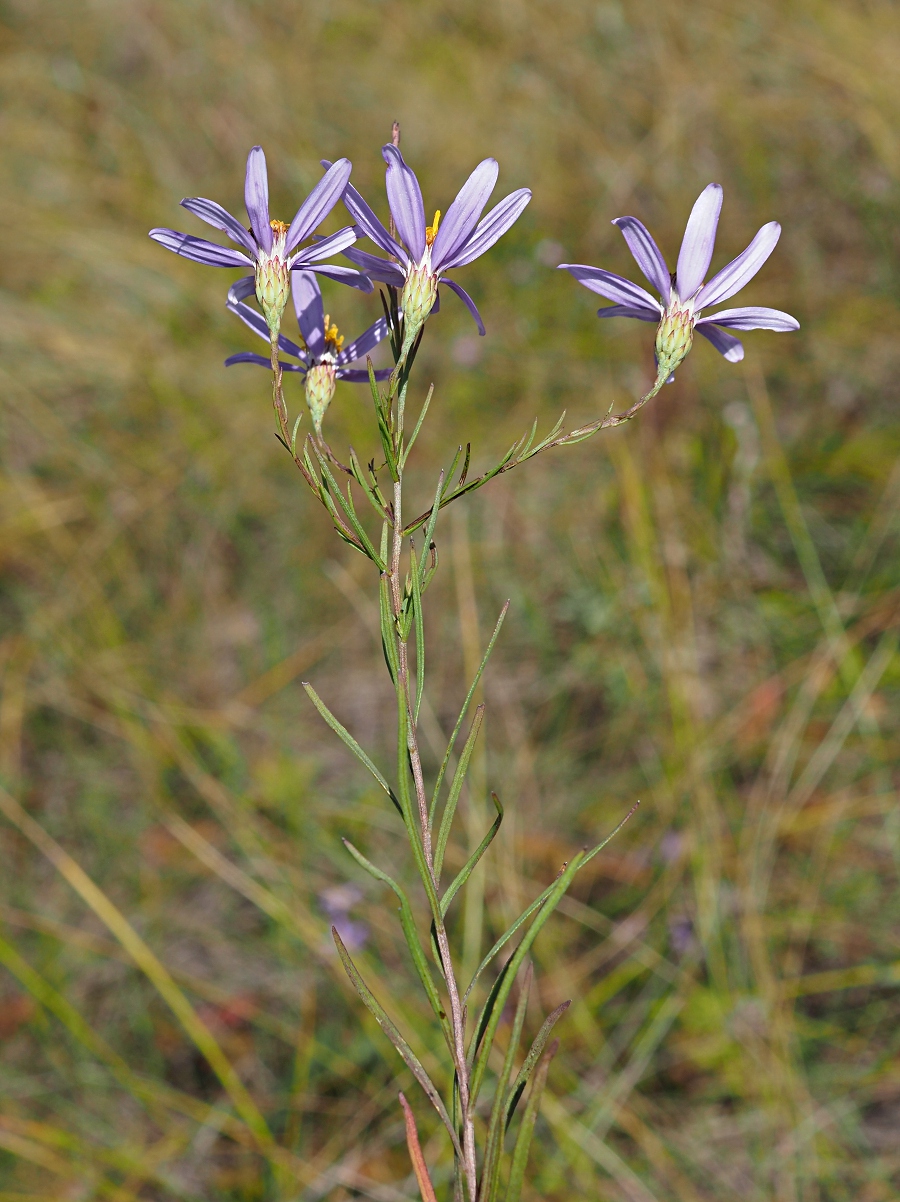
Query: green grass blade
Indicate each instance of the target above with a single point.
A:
(345, 736)
(469, 866)
(531, 1060)
(409, 1057)
(526, 1131)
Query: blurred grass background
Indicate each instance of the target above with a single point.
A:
(704, 614)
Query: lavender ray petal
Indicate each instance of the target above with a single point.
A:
(343, 275)
(752, 317)
(355, 376)
(613, 287)
(629, 311)
(725, 344)
(260, 361)
(256, 197)
(740, 271)
(492, 228)
(198, 249)
(257, 324)
(309, 309)
(324, 196)
(463, 215)
(646, 254)
(466, 300)
(241, 289)
(405, 200)
(364, 343)
(322, 248)
(699, 240)
(214, 214)
(379, 269)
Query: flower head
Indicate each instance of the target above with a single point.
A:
(421, 253)
(322, 358)
(683, 294)
(269, 245)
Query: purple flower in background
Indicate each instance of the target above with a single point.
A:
(322, 358)
(268, 244)
(337, 901)
(684, 294)
(424, 252)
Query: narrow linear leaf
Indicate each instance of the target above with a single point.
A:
(432, 521)
(426, 1189)
(418, 427)
(487, 1027)
(388, 646)
(349, 509)
(531, 1060)
(345, 736)
(465, 707)
(526, 1130)
(419, 621)
(456, 785)
(409, 1057)
(536, 905)
(469, 866)
(496, 1127)
(410, 933)
(360, 477)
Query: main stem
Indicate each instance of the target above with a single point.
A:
(457, 1018)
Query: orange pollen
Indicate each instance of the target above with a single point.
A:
(278, 226)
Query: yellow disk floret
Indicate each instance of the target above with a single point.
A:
(431, 230)
(333, 339)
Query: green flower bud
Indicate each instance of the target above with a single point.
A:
(417, 299)
(674, 337)
(319, 391)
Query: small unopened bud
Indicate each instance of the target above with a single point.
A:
(674, 337)
(319, 391)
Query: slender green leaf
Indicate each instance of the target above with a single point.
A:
(487, 1027)
(536, 905)
(465, 709)
(387, 628)
(418, 427)
(456, 785)
(349, 509)
(410, 1059)
(469, 866)
(531, 1060)
(493, 1148)
(526, 1130)
(432, 521)
(345, 736)
(419, 619)
(360, 477)
(411, 935)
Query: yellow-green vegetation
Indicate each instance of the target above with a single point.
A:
(704, 607)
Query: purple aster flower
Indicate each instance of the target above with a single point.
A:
(268, 244)
(683, 295)
(422, 253)
(321, 356)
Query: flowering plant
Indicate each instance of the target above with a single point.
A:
(403, 552)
